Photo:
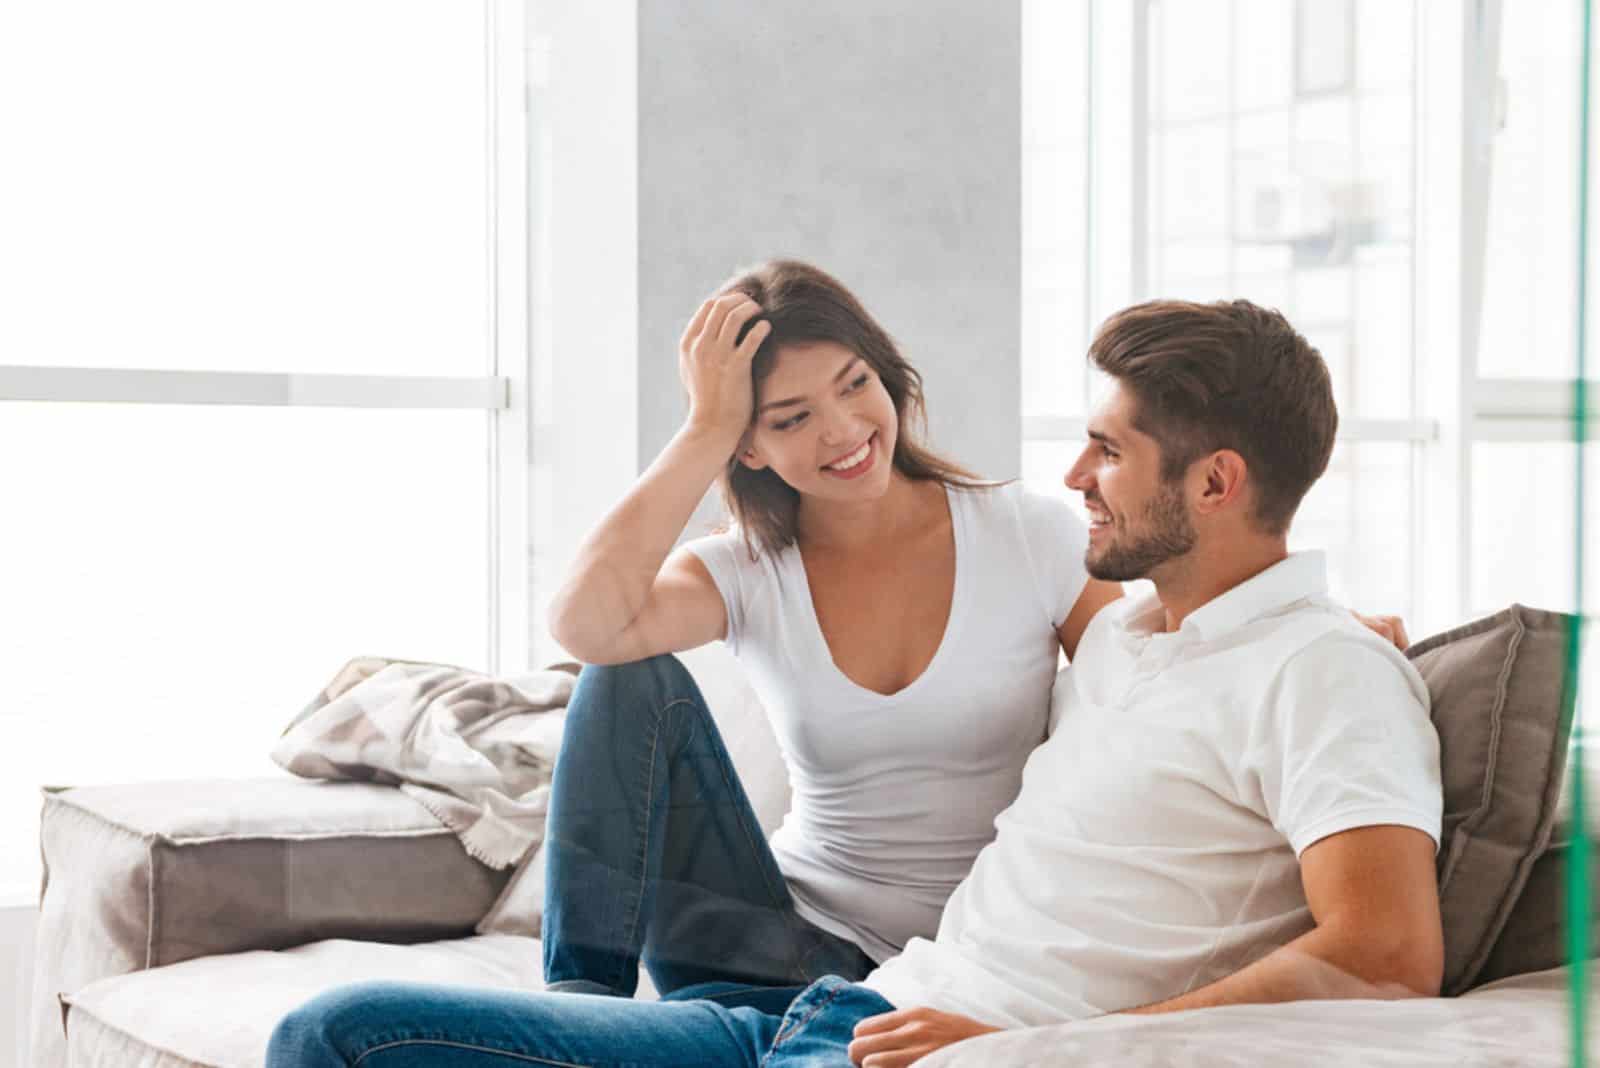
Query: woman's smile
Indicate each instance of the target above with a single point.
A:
(857, 463)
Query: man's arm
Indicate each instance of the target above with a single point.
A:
(1375, 900)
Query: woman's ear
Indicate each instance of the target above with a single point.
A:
(749, 455)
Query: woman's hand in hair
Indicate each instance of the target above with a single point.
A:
(716, 370)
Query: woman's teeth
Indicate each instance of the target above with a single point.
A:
(853, 459)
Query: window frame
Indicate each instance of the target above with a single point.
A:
(501, 392)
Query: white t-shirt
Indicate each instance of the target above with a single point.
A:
(1154, 846)
(893, 796)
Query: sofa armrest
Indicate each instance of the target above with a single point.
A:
(143, 875)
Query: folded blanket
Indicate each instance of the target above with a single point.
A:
(476, 751)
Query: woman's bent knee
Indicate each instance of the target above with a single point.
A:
(618, 689)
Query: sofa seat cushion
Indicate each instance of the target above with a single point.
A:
(221, 1010)
(143, 875)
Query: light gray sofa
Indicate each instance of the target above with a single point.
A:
(181, 920)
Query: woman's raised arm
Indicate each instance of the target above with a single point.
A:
(619, 602)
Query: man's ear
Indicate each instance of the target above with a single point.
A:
(1224, 476)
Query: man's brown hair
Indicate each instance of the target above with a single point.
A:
(1226, 375)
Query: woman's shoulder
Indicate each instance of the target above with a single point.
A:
(727, 550)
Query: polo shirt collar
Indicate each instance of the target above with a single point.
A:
(1294, 578)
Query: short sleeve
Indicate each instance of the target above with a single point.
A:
(1346, 742)
(1056, 540)
(719, 552)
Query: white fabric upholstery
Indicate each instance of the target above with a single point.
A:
(220, 1010)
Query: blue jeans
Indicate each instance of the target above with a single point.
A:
(654, 853)
(412, 1025)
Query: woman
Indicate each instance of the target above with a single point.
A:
(899, 619)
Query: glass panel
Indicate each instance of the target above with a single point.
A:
(1385, 32)
(1297, 201)
(180, 581)
(1055, 235)
(1523, 525)
(1531, 252)
(1190, 70)
(246, 187)
(1190, 168)
(1044, 466)
(1324, 63)
(1358, 512)
(1263, 73)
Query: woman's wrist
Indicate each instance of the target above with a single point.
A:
(721, 440)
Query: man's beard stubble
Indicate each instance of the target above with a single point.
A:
(1168, 533)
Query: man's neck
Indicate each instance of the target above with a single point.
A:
(1206, 573)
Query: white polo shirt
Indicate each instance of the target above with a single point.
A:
(1153, 847)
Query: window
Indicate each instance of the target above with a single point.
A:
(1414, 213)
(254, 365)
(1259, 167)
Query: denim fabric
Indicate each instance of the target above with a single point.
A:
(412, 1025)
(653, 851)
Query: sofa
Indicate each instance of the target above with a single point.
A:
(179, 921)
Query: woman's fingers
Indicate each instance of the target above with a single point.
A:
(719, 313)
(692, 331)
(752, 341)
(1400, 637)
(737, 317)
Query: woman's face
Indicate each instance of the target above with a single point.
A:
(824, 423)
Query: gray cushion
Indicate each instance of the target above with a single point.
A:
(144, 875)
(1534, 937)
(1496, 687)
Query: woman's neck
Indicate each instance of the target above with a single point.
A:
(837, 525)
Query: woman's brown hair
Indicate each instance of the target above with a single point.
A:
(804, 305)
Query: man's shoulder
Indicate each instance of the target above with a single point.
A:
(1317, 642)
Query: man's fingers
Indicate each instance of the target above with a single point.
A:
(864, 1047)
(897, 1058)
(884, 1021)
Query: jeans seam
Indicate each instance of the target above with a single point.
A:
(642, 858)
(787, 1032)
(528, 1057)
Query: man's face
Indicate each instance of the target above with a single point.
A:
(825, 424)
(1137, 521)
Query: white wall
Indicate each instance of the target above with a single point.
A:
(883, 142)
(16, 982)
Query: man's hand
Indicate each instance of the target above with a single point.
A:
(1391, 627)
(905, 1036)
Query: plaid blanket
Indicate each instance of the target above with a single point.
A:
(476, 751)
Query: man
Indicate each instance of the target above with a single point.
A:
(1239, 800)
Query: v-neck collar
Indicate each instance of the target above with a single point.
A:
(820, 640)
